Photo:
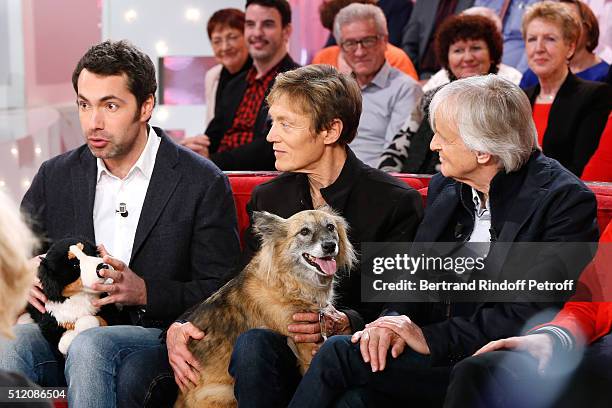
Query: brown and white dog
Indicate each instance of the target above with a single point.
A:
(293, 272)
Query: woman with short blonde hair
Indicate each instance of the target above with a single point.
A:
(570, 113)
(16, 270)
(16, 276)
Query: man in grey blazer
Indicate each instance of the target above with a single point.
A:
(164, 215)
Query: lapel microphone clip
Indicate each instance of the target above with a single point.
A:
(122, 210)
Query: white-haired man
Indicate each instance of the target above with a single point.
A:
(495, 185)
(388, 94)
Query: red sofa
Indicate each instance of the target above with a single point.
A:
(244, 182)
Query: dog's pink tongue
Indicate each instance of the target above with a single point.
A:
(327, 265)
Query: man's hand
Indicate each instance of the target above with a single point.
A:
(186, 368)
(198, 144)
(539, 346)
(127, 287)
(36, 297)
(406, 329)
(374, 343)
(307, 328)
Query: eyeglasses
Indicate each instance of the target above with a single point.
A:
(366, 43)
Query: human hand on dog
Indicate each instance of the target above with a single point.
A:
(307, 328)
(183, 363)
(127, 287)
(36, 297)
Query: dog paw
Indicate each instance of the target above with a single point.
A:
(66, 340)
(86, 322)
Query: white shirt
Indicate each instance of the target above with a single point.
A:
(482, 221)
(112, 230)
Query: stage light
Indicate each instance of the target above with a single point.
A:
(37, 150)
(161, 114)
(14, 151)
(130, 15)
(26, 183)
(192, 14)
(162, 48)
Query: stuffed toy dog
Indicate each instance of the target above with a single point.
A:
(67, 273)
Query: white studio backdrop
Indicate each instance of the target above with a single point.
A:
(166, 28)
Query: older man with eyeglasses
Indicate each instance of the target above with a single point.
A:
(388, 94)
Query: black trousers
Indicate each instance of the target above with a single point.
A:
(510, 379)
(339, 378)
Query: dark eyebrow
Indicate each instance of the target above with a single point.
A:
(266, 21)
(103, 99)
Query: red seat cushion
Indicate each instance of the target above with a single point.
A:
(242, 186)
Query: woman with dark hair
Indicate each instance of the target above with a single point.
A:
(584, 64)
(570, 113)
(466, 45)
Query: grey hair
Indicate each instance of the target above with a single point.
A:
(359, 12)
(492, 116)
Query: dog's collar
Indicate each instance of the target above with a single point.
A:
(322, 321)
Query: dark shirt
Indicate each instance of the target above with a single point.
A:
(241, 131)
(224, 78)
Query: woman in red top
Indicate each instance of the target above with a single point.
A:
(542, 375)
(570, 113)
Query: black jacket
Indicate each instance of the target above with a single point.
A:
(377, 207)
(541, 202)
(576, 121)
(257, 155)
(186, 243)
